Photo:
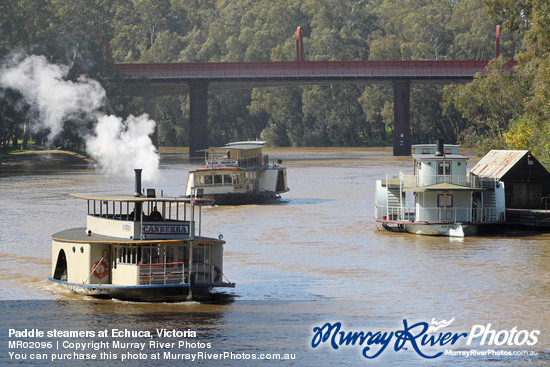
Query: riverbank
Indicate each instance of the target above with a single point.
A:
(43, 160)
(46, 160)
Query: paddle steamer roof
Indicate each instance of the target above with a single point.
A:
(81, 235)
(253, 144)
(131, 198)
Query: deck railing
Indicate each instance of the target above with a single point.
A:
(471, 181)
(176, 273)
(437, 214)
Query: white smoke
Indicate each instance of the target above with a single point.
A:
(44, 88)
(117, 146)
(121, 146)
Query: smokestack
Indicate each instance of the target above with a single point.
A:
(440, 149)
(138, 182)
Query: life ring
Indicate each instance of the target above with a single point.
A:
(105, 269)
(218, 274)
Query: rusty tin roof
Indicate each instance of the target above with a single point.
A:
(497, 163)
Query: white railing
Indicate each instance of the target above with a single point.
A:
(176, 273)
(471, 181)
(436, 214)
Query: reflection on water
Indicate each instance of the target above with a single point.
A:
(315, 257)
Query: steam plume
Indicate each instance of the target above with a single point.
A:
(47, 92)
(117, 146)
(121, 146)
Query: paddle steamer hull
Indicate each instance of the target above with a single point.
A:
(147, 293)
(446, 229)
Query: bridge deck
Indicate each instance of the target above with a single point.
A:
(304, 70)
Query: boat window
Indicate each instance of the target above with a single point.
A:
(183, 254)
(218, 179)
(169, 252)
(444, 200)
(150, 254)
(444, 168)
(208, 180)
(128, 254)
(237, 178)
(146, 255)
(227, 179)
(425, 150)
(201, 254)
(118, 210)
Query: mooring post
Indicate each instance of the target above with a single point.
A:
(198, 119)
(402, 118)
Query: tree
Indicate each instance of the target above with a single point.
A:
(530, 128)
(489, 103)
(280, 110)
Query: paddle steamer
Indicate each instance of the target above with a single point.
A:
(140, 247)
(238, 173)
(441, 197)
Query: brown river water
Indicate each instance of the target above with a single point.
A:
(316, 257)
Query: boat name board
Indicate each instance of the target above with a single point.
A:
(165, 229)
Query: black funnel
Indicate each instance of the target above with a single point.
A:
(138, 182)
(440, 149)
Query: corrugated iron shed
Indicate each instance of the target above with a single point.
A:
(497, 163)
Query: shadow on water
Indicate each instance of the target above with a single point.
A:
(307, 201)
(510, 230)
(220, 298)
(281, 202)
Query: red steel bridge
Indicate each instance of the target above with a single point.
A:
(199, 78)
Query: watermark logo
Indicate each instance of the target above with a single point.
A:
(439, 325)
(419, 337)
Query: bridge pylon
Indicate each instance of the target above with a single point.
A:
(402, 118)
(198, 118)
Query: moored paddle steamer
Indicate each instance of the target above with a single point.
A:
(441, 197)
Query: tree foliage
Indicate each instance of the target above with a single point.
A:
(80, 33)
(513, 109)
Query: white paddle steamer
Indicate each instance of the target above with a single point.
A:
(441, 197)
(238, 173)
